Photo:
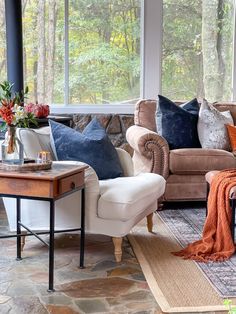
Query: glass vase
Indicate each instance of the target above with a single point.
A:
(12, 148)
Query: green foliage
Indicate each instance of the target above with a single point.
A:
(6, 93)
(28, 121)
(231, 309)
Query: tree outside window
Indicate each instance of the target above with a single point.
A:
(197, 49)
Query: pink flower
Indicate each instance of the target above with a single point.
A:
(39, 110)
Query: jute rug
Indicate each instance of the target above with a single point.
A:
(179, 286)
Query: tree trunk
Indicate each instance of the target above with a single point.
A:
(221, 45)
(211, 73)
(52, 12)
(41, 52)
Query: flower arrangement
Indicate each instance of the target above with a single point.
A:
(39, 110)
(12, 108)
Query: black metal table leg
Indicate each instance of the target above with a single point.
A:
(82, 232)
(51, 246)
(18, 229)
(233, 205)
(207, 194)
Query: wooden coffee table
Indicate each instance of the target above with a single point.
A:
(49, 185)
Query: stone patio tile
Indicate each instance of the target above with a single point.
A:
(142, 312)
(4, 286)
(5, 308)
(55, 309)
(141, 306)
(39, 277)
(67, 275)
(24, 305)
(104, 265)
(142, 295)
(21, 288)
(93, 306)
(99, 287)
(123, 271)
(4, 299)
(56, 299)
(138, 276)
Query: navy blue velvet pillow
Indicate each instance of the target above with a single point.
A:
(93, 147)
(178, 124)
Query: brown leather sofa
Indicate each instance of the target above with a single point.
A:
(184, 169)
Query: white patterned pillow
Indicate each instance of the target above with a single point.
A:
(212, 132)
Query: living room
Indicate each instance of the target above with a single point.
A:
(117, 124)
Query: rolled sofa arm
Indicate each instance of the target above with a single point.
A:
(151, 151)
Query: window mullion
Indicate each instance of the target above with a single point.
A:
(152, 48)
(66, 62)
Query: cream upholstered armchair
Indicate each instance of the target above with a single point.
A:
(112, 207)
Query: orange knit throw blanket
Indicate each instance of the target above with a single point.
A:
(216, 244)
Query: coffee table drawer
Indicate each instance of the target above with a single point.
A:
(70, 183)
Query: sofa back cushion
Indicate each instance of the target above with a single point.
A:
(144, 114)
(227, 106)
(211, 127)
(145, 109)
(178, 124)
(35, 140)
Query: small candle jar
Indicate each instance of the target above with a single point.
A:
(43, 157)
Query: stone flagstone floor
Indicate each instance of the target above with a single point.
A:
(102, 287)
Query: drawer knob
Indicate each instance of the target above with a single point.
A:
(72, 185)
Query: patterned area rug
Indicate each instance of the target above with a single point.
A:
(186, 226)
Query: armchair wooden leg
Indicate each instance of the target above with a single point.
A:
(118, 248)
(150, 222)
(23, 240)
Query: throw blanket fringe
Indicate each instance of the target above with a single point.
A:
(216, 244)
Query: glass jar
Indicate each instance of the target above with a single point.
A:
(12, 148)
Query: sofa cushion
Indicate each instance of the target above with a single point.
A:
(185, 187)
(200, 161)
(92, 147)
(178, 124)
(211, 127)
(126, 197)
(232, 136)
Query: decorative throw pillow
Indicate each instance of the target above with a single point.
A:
(178, 124)
(232, 136)
(211, 127)
(93, 147)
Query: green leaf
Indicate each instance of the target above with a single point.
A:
(227, 302)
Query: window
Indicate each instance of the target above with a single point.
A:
(43, 42)
(92, 55)
(104, 51)
(197, 48)
(87, 52)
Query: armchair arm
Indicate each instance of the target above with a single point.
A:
(151, 151)
(126, 162)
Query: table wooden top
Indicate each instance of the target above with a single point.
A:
(54, 183)
(57, 171)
